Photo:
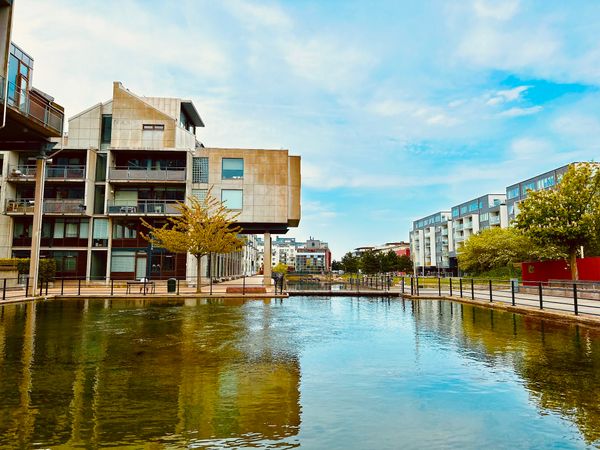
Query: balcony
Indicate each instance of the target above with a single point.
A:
(127, 174)
(494, 220)
(143, 207)
(51, 206)
(53, 173)
(32, 105)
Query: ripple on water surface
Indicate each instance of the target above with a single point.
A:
(329, 373)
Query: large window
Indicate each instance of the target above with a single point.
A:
(512, 192)
(200, 170)
(126, 229)
(233, 168)
(106, 130)
(545, 183)
(122, 261)
(233, 198)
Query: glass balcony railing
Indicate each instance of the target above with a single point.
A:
(32, 107)
(26, 206)
(166, 174)
(143, 207)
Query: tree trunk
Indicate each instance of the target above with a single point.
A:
(573, 263)
(198, 273)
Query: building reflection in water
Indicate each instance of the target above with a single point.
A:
(91, 372)
(559, 363)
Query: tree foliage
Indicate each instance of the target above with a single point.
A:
(202, 228)
(370, 262)
(568, 216)
(496, 248)
(350, 263)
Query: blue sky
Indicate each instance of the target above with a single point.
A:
(398, 108)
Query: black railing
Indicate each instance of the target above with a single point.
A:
(577, 297)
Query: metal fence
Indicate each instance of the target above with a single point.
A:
(557, 295)
(18, 288)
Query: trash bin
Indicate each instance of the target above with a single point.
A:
(515, 284)
(171, 285)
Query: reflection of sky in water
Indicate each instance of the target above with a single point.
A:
(320, 373)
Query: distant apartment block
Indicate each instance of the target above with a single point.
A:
(313, 257)
(400, 248)
(435, 240)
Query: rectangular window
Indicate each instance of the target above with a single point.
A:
(546, 183)
(106, 130)
(233, 169)
(512, 192)
(200, 194)
(153, 126)
(455, 212)
(473, 206)
(484, 217)
(122, 261)
(463, 209)
(232, 198)
(200, 169)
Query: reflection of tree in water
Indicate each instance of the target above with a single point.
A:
(559, 363)
(103, 373)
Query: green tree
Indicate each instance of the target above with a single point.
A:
(280, 268)
(404, 264)
(202, 228)
(350, 263)
(567, 217)
(496, 248)
(389, 261)
(370, 262)
(336, 265)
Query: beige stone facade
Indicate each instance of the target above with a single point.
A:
(133, 157)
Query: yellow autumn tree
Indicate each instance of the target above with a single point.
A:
(202, 228)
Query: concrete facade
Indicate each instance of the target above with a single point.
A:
(133, 157)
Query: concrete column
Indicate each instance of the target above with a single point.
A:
(36, 235)
(267, 260)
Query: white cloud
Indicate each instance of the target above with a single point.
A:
(529, 148)
(496, 9)
(255, 15)
(518, 112)
(508, 95)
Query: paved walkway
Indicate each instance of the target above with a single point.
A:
(157, 289)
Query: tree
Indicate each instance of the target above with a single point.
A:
(404, 264)
(496, 248)
(568, 216)
(370, 262)
(350, 263)
(336, 265)
(280, 268)
(203, 228)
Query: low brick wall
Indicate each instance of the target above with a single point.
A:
(248, 290)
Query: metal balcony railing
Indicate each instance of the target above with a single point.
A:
(35, 109)
(143, 207)
(27, 172)
(26, 205)
(167, 174)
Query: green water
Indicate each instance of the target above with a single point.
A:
(336, 373)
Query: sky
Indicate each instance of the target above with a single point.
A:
(398, 108)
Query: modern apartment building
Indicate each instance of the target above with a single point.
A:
(477, 214)
(283, 251)
(431, 243)
(518, 191)
(132, 157)
(314, 257)
(468, 218)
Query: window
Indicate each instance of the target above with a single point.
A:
(122, 261)
(473, 206)
(125, 230)
(455, 212)
(153, 126)
(484, 217)
(512, 192)
(546, 183)
(463, 209)
(527, 187)
(232, 198)
(200, 170)
(106, 130)
(233, 168)
(200, 194)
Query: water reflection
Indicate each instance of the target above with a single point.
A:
(87, 373)
(318, 372)
(558, 363)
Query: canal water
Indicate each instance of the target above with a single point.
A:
(314, 373)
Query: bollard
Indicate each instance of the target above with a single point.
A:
(491, 294)
(4, 290)
(439, 287)
(79, 286)
(177, 286)
(450, 283)
(62, 285)
(112, 287)
(26, 286)
(472, 289)
(244, 285)
(144, 287)
(402, 282)
(460, 286)
(541, 298)
(47, 287)
(575, 306)
(512, 291)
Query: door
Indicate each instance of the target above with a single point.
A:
(140, 265)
